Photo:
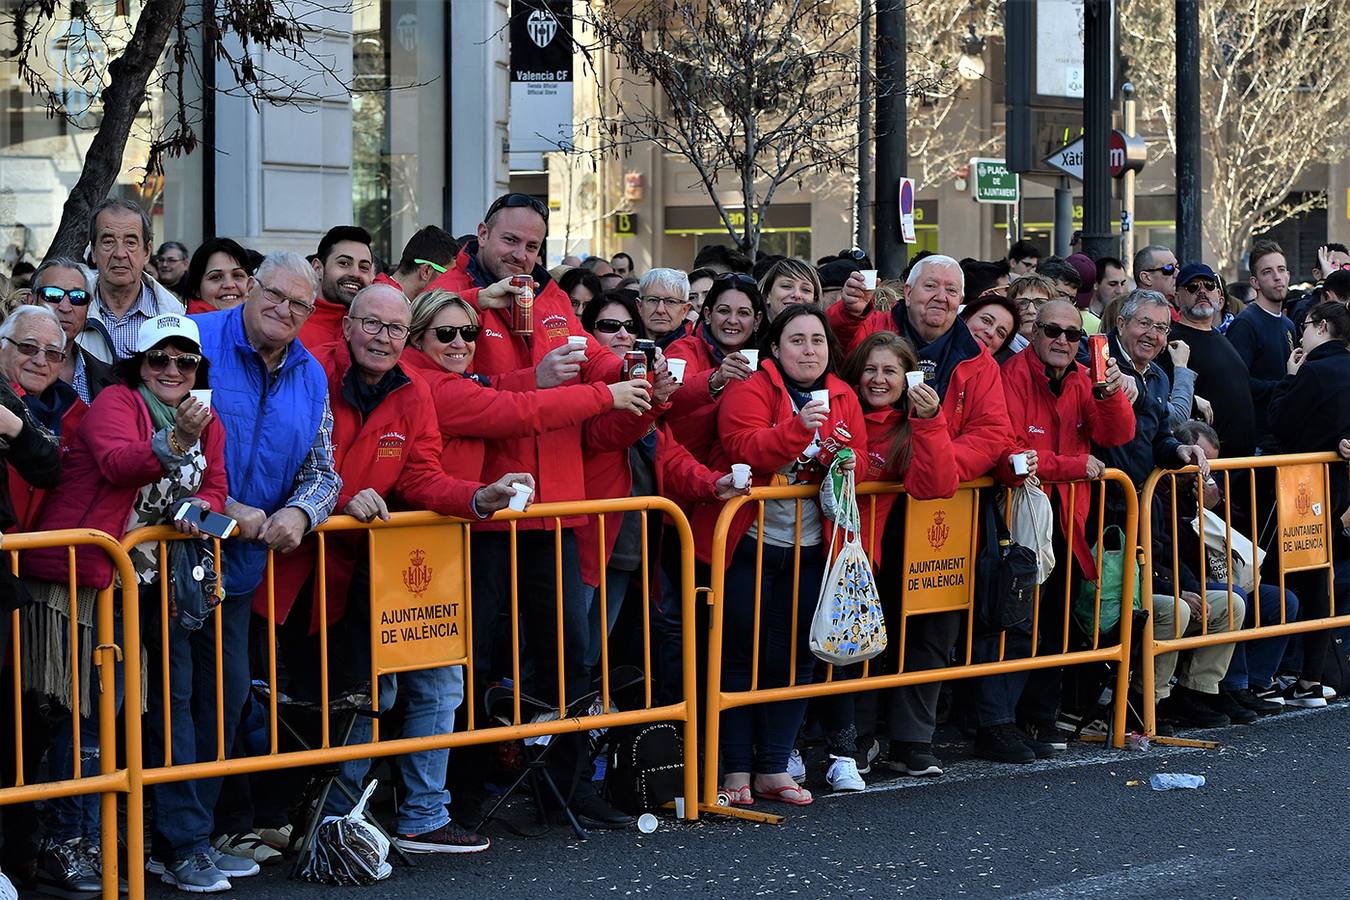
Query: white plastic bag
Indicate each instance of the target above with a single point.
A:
(848, 626)
(1246, 558)
(348, 849)
(1032, 524)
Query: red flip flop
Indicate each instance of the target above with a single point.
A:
(792, 794)
(740, 796)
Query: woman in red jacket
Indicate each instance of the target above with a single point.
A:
(441, 344)
(143, 449)
(219, 277)
(786, 435)
(732, 313)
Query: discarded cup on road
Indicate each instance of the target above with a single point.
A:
(740, 474)
(522, 496)
(1172, 781)
(647, 823)
(676, 367)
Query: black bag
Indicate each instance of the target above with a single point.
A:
(646, 767)
(1336, 670)
(1005, 573)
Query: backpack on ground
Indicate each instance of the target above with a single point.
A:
(645, 770)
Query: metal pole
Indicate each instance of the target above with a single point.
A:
(889, 250)
(862, 216)
(1188, 131)
(1127, 202)
(1097, 54)
(1063, 215)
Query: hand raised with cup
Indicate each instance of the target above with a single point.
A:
(559, 366)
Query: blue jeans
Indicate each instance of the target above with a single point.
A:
(432, 696)
(759, 738)
(616, 587)
(1255, 662)
(184, 811)
(72, 817)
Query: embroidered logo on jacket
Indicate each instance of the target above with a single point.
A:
(390, 445)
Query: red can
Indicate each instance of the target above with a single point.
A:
(1098, 354)
(635, 366)
(522, 311)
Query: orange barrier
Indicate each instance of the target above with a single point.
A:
(1305, 521)
(960, 516)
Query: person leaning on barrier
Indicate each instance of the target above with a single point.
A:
(1310, 413)
(387, 452)
(1054, 411)
(144, 448)
(773, 424)
(60, 285)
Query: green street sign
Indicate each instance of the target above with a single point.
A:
(991, 182)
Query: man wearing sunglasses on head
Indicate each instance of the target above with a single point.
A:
(1263, 335)
(1155, 269)
(429, 254)
(60, 285)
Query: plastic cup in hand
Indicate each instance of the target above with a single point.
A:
(522, 496)
(202, 396)
(822, 396)
(740, 475)
(752, 357)
(676, 367)
(869, 279)
(577, 343)
(1019, 464)
(647, 823)
(913, 379)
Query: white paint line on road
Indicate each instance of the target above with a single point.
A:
(1155, 879)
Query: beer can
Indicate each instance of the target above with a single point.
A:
(522, 311)
(1098, 354)
(649, 349)
(635, 366)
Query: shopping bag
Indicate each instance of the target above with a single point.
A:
(1247, 559)
(348, 849)
(848, 625)
(1111, 574)
(1032, 525)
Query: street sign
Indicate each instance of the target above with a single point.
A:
(625, 224)
(991, 182)
(907, 211)
(1126, 154)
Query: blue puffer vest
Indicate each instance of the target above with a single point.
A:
(270, 424)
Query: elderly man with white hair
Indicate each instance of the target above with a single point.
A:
(967, 380)
(663, 301)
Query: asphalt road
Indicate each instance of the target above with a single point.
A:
(1270, 822)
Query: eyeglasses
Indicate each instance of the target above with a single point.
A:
(1196, 285)
(278, 299)
(446, 334)
(1169, 270)
(426, 262)
(736, 278)
(1159, 327)
(513, 201)
(372, 325)
(27, 348)
(54, 295)
(1053, 332)
(662, 301)
(158, 361)
(612, 326)
(854, 254)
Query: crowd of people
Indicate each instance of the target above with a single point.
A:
(280, 390)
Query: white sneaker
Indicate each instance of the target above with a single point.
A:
(796, 766)
(843, 775)
(1328, 692)
(248, 846)
(7, 891)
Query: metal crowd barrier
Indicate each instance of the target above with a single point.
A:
(941, 528)
(1296, 500)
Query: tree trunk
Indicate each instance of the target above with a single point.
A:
(122, 100)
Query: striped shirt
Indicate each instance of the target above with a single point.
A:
(125, 330)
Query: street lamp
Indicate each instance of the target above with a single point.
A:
(971, 64)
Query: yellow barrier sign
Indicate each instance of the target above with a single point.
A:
(938, 558)
(1303, 517)
(418, 588)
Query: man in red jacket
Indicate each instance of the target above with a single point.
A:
(387, 450)
(966, 378)
(509, 242)
(344, 265)
(1053, 411)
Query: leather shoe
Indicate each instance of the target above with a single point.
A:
(594, 812)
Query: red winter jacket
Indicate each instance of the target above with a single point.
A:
(930, 476)
(1062, 431)
(324, 325)
(110, 460)
(471, 413)
(552, 457)
(757, 426)
(397, 453)
(693, 409)
(977, 416)
(27, 499)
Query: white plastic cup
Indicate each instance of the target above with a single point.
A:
(676, 367)
(647, 823)
(576, 341)
(740, 474)
(201, 395)
(679, 807)
(869, 278)
(752, 357)
(823, 396)
(522, 496)
(913, 379)
(1019, 464)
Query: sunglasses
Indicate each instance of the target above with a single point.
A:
(1196, 285)
(54, 296)
(158, 361)
(1053, 331)
(736, 278)
(426, 262)
(514, 201)
(1168, 270)
(55, 357)
(446, 334)
(612, 326)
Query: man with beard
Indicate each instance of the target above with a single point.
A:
(344, 265)
(1263, 335)
(1214, 360)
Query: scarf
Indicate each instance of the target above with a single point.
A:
(51, 406)
(719, 355)
(161, 413)
(936, 357)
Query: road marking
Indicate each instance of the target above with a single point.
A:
(1134, 881)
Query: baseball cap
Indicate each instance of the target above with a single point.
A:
(1192, 271)
(173, 325)
(1087, 277)
(835, 272)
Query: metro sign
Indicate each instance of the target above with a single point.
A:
(1126, 154)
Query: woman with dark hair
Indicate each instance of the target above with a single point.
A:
(218, 277)
(144, 448)
(582, 286)
(776, 423)
(992, 319)
(731, 316)
(789, 282)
